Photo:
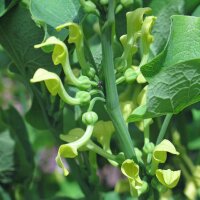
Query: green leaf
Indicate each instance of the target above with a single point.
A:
(163, 10)
(190, 5)
(55, 13)
(7, 145)
(196, 12)
(4, 59)
(26, 59)
(21, 48)
(174, 75)
(20, 151)
(73, 135)
(4, 195)
(103, 131)
(111, 196)
(6, 6)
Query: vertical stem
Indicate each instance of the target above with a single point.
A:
(112, 100)
(164, 128)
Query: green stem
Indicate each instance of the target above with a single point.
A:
(66, 98)
(146, 132)
(112, 100)
(98, 150)
(95, 91)
(120, 80)
(188, 162)
(164, 128)
(93, 101)
(84, 139)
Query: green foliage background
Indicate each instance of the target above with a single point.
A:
(23, 136)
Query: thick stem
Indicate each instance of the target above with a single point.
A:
(112, 100)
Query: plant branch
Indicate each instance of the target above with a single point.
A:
(112, 100)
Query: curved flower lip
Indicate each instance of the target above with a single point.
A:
(130, 169)
(161, 150)
(51, 80)
(61, 165)
(168, 177)
(68, 151)
(42, 75)
(60, 51)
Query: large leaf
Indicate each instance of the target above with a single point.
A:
(6, 5)
(18, 35)
(57, 12)
(163, 10)
(196, 12)
(4, 59)
(7, 146)
(16, 161)
(174, 75)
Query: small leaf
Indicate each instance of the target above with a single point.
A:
(73, 135)
(168, 177)
(161, 150)
(103, 131)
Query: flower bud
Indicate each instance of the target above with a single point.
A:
(85, 82)
(91, 72)
(89, 118)
(130, 75)
(148, 147)
(126, 3)
(83, 96)
(103, 2)
(89, 7)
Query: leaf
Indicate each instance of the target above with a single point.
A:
(4, 195)
(19, 147)
(7, 146)
(163, 10)
(174, 75)
(6, 6)
(4, 59)
(57, 12)
(196, 12)
(190, 5)
(21, 48)
(103, 131)
(73, 135)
